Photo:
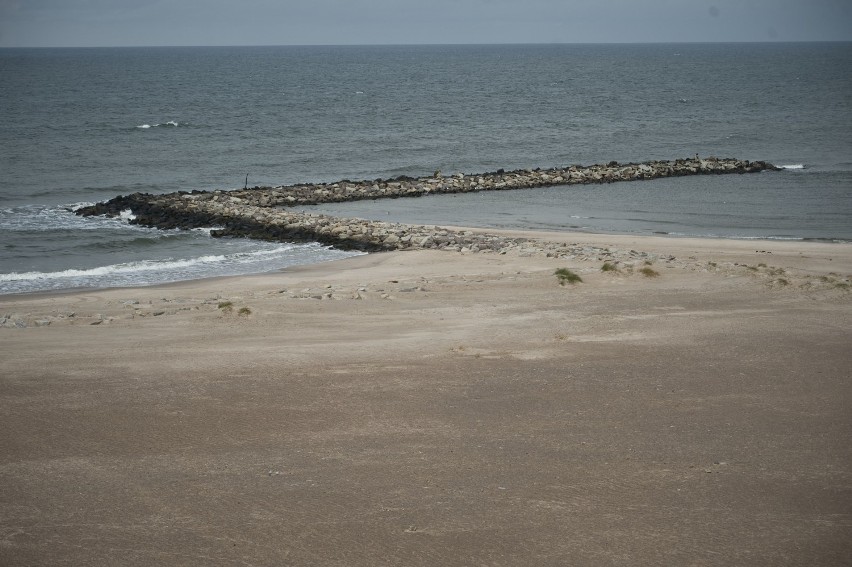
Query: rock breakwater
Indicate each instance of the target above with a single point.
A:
(261, 212)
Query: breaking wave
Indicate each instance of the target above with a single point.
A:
(44, 218)
(149, 272)
(169, 124)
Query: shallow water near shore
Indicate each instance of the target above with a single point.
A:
(84, 125)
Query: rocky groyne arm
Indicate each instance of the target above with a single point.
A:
(262, 213)
(343, 191)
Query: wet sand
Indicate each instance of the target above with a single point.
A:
(438, 408)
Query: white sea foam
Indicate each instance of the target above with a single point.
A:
(172, 123)
(59, 217)
(146, 272)
(793, 166)
(205, 229)
(115, 269)
(729, 236)
(147, 266)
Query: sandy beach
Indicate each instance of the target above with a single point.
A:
(441, 408)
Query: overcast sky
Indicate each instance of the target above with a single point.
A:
(332, 22)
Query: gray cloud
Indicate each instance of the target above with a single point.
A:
(269, 22)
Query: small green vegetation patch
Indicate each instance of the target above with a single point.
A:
(609, 267)
(649, 272)
(226, 306)
(567, 276)
(244, 311)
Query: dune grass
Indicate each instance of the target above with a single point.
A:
(567, 276)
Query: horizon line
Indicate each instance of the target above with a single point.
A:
(449, 44)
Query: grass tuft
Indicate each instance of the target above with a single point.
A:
(649, 272)
(244, 311)
(567, 276)
(607, 267)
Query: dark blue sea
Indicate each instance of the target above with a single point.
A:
(84, 125)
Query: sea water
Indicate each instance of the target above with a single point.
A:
(83, 125)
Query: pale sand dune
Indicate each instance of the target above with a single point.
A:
(435, 408)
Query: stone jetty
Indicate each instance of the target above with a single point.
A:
(262, 212)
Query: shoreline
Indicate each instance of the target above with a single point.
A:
(812, 260)
(543, 235)
(709, 244)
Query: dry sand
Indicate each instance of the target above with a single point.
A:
(435, 408)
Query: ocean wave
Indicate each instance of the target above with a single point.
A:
(151, 272)
(44, 218)
(169, 124)
(730, 236)
(205, 229)
(793, 166)
(144, 266)
(131, 267)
